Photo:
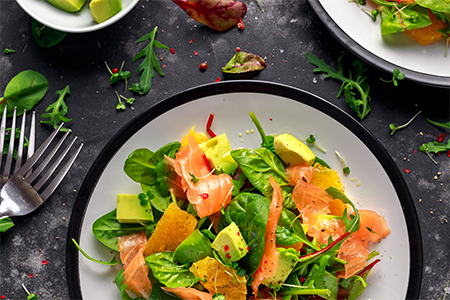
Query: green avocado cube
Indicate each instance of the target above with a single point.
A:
(131, 210)
(229, 244)
(287, 259)
(67, 5)
(102, 10)
(194, 248)
(217, 150)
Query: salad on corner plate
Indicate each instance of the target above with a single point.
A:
(216, 223)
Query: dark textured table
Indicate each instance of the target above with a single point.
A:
(282, 34)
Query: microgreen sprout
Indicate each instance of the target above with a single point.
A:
(30, 296)
(446, 33)
(120, 105)
(194, 179)
(446, 289)
(312, 141)
(394, 127)
(346, 169)
(396, 75)
(8, 51)
(119, 75)
(128, 100)
(218, 296)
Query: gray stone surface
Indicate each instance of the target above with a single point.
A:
(282, 35)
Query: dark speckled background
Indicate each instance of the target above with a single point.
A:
(282, 35)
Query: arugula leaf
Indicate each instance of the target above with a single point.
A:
(443, 125)
(360, 106)
(59, 110)
(5, 224)
(435, 147)
(150, 62)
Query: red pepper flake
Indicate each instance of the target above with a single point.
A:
(2, 297)
(241, 25)
(164, 66)
(415, 151)
(441, 138)
(238, 49)
(270, 119)
(196, 53)
(44, 262)
(31, 275)
(238, 233)
(204, 196)
(302, 279)
(190, 42)
(439, 153)
(218, 79)
(285, 60)
(228, 255)
(266, 261)
(172, 51)
(407, 171)
(226, 248)
(448, 153)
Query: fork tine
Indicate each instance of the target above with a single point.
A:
(41, 167)
(60, 176)
(9, 157)
(31, 141)
(34, 158)
(21, 140)
(3, 132)
(50, 171)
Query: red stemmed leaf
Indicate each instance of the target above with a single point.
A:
(220, 15)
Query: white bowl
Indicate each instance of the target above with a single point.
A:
(77, 22)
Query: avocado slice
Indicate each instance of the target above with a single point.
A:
(194, 248)
(292, 151)
(287, 260)
(130, 210)
(217, 150)
(67, 5)
(229, 244)
(102, 10)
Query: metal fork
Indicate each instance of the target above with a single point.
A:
(7, 170)
(19, 195)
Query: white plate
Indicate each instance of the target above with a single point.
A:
(357, 31)
(76, 22)
(280, 109)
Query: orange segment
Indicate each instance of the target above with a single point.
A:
(324, 178)
(173, 228)
(429, 34)
(217, 278)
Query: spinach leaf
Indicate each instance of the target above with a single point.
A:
(5, 224)
(321, 279)
(107, 229)
(168, 272)
(354, 286)
(396, 20)
(437, 5)
(322, 162)
(46, 36)
(258, 165)
(158, 201)
(150, 62)
(24, 90)
(59, 111)
(250, 213)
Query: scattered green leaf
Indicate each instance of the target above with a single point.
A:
(443, 125)
(360, 106)
(59, 110)
(312, 141)
(45, 36)
(446, 33)
(346, 169)
(394, 127)
(396, 75)
(8, 51)
(149, 63)
(119, 75)
(434, 147)
(243, 65)
(120, 105)
(5, 224)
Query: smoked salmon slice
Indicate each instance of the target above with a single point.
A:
(299, 172)
(207, 192)
(131, 248)
(188, 293)
(377, 224)
(355, 253)
(268, 264)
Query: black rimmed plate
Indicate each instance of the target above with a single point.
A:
(361, 35)
(374, 182)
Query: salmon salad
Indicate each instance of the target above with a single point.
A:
(215, 223)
